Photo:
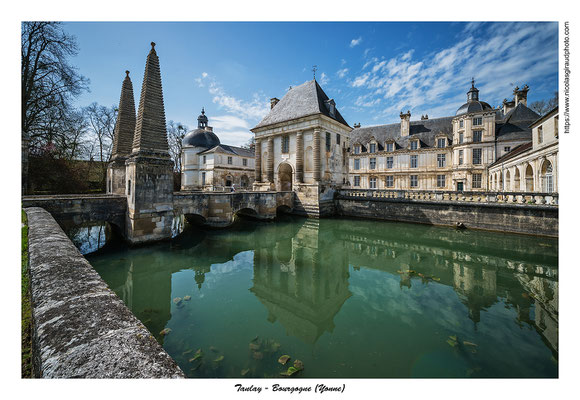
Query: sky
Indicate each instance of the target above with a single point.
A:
(373, 70)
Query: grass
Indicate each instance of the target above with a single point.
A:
(26, 305)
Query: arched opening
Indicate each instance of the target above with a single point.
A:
(507, 181)
(91, 236)
(517, 180)
(501, 187)
(228, 180)
(283, 209)
(285, 177)
(529, 178)
(492, 182)
(547, 177)
(244, 182)
(195, 219)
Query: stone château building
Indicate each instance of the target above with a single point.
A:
(210, 165)
(449, 153)
(301, 145)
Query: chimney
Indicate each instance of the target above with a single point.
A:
(424, 117)
(521, 95)
(507, 106)
(405, 123)
(357, 125)
(273, 102)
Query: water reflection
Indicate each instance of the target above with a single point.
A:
(347, 295)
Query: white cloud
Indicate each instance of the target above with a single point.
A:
(324, 79)
(342, 72)
(342, 61)
(360, 80)
(355, 42)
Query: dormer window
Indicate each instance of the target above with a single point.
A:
(414, 144)
(357, 149)
(441, 142)
(331, 107)
(372, 148)
(390, 146)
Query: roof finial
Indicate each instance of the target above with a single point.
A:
(127, 72)
(152, 45)
(203, 111)
(314, 68)
(472, 82)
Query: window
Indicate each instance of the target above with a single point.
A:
(440, 181)
(373, 183)
(357, 149)
(230, 160)
(414, 145)
(540, 134)
(203, 179)
(285, 144)
(357, 163)
(460, 157)
(477, 136)
(389, 162)
(440, 160)
(441, 142)
(413, 161)
(477, 121)
(372, 148)
(461, 123)
(338, 138)
(373, 163)
(204, 159)
(414, 180)
(245, 162)
(357, 181)
(129, 187)
(476, 181)
(460, 138)
(390, 146)
(328, 141)
(507, 149)
(390, 182)
(476, 156)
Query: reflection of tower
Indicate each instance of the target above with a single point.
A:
(299, 289)
(476, 286)
(200, 275)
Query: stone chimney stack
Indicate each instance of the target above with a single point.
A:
(521, 95)
(273, 102)
(357, 125)
(424, 117)
(405, 123)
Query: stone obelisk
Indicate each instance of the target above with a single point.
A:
(149, 167)
(122, 139)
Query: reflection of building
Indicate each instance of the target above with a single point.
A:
(209, 165)
(476, 286)
(533, 166)
(300, 291)
(449, 153)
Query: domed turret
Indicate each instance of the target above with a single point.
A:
(202, 136)
(473, 104)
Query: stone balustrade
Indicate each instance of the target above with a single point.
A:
(528, 198)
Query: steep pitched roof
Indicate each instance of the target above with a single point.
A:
(424, 130)
(300, 101)
(224, 148)
(125, 125)
(515, 125)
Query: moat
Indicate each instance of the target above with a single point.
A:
(349, 298)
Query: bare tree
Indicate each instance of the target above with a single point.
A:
(101, 121)
(251, 144)
(175, 133)
(543, 106)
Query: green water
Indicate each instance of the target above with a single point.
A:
(336, 295)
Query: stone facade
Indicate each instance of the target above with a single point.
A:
(449, 153)
(532, 167)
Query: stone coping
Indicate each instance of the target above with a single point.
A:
(81, 328)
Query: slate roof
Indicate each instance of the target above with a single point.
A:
(424, 130)
(126, 120)
(473, 106)
(300, 101)
(515, 125)
(201, 138)
(234, 150)
(515, 151)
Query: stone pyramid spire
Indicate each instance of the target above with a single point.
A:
(150, 130)
(125, 126)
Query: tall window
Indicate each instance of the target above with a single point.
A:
(328, 141)
(357, 181)
(477, 121)
(476, 181)
(414, 179)
(338, 138)
(204, 159)
(129, 187)
(357, 149)
(414, 145)
(441, 142)
(230, 160)
(373, 183)
(373, 163)
(372, 148)
(203, 179)
(460, 138)
(389, 146)
(245, 162)
(461, 123)
(460, 157)
(356, 163)
(440, 160)
(476, 156)
(285, 144)
(540, 134)
(390, 182)
(414, 161)
(477, 136)
(440, 181)
(389, 162)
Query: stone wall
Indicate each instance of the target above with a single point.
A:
(514, 218)
(81, 328)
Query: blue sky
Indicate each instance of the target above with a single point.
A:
(372, 70)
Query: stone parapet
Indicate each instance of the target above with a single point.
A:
(81, 328)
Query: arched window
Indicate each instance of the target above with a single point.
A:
(547, 177)
(529, 178)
